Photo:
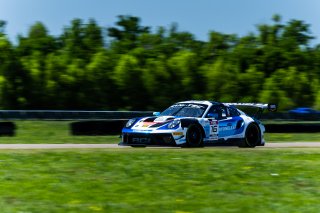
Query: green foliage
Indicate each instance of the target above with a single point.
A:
(222, 81)
(272, 93)
(137, 68)
(317, 103)
(183, 68)
(250, 82)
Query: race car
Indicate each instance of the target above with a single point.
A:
(197, 124)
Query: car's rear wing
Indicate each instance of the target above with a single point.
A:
(259, 106)
(270, 107)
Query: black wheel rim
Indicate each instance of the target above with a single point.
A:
(252, 136)
(194, 136)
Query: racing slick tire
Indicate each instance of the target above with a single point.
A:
(194, 136)
(252, 137)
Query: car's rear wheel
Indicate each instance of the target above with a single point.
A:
(194, 136)
(252, 136)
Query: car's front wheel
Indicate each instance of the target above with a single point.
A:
(194, 136)
(252, 136)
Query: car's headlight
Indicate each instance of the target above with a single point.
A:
(174, 124)
(130, 122)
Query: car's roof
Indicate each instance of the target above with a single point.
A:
(200, 102)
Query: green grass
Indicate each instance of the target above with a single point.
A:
(292, 137)
(58, 132)
(160, 180)
(155, 180)
(52, 132)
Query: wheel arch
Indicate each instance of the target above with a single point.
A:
(253, 123)
(249, 126)
(186, 122)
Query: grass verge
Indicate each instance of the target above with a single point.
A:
(52, 132)
(160, 180)
(58, 132)
(292, 137)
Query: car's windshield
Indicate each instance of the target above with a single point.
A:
(185, 110)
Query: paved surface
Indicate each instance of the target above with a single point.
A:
(293, 144)
(58, 146)
(109, 146)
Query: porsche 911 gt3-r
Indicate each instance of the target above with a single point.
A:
(196, 124)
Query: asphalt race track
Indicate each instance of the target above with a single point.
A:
(115, 146)
(292, 144)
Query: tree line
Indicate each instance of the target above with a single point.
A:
(132, 67)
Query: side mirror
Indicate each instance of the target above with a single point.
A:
(156, 113)
(272, 107)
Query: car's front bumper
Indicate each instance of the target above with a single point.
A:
(146, 139)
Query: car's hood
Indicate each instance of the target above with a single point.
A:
(152, 122)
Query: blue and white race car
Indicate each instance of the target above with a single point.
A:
(198, 123)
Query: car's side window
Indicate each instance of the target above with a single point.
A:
(224, 112)
(217, 112)
(213, 113)
(233, 112)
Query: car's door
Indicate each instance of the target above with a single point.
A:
(229, 122)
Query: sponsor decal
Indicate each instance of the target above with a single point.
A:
(214, 136)
(227, 128)
(147, 124)
(213, 122)
(177, 133)
(142, 131)
(163, 118)
(199, 106)
(141, 140)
